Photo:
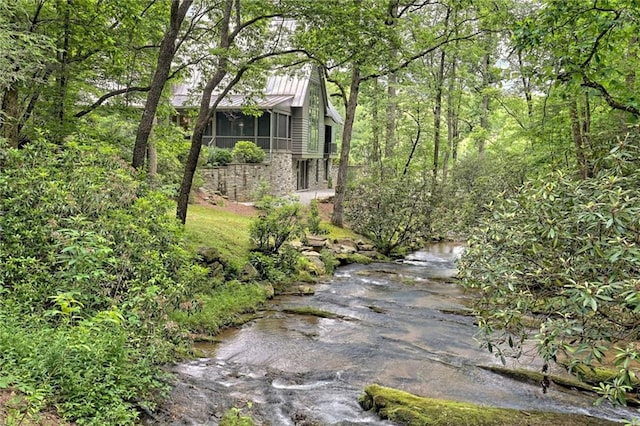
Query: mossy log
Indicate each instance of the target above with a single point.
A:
(411, 410)
(529, 376)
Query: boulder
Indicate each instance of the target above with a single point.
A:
(316, 242)
(315, 266)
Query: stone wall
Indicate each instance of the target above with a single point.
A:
(317, 169)
(239, 181)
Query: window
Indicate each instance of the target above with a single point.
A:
(314, 117)
(263, 124)
(283, 126)
(234, 123)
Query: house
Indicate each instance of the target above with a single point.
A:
(297, 129)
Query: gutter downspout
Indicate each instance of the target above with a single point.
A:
(270, 111)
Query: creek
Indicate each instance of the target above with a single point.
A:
(399, 324)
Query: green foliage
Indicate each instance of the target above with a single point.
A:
(279, 222)
(211, 312)
(393, 213)
(566, 251)
(248, 152)
(235, 417)
(118, 128)
(314, 221)
(219, 156)
(472, 186)
(90, 371)
(91, 265)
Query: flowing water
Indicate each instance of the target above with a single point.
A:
(400, 325)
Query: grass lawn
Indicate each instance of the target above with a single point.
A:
(228, 231)
(222, 229)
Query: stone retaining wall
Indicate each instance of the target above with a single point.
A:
(239, 181)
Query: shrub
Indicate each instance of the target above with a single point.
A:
(279, 222)
(248, 152)
(394, 214)
(219, 156)
(565, 251)
(91, 265)
(314, 221)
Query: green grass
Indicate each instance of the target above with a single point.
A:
(224, 307)
(336, 232)
(223, 230)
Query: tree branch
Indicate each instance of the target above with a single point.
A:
(110, 95)
(613, 103)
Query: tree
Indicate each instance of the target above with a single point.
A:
(102, 49)
(562, 253)
(233, 57)
(24, 53)
(361, 43)
(588, 51)
(166, 54)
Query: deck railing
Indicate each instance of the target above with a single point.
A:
(228, 142)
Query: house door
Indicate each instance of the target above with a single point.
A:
(302, 172)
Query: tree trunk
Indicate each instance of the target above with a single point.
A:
(11, 108)
(341, 181)
(578, 139)
(390, 134)
(63, 60)
(437, 117)
(452, 122)
(526, 86)
(484, 113)
(204, 115)
(152, 162)
(392, 95)
(375, 126)
(414, 146)
(165, 58)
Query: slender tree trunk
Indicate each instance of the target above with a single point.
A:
(414, 146)
(452, 125)
(392, 107)
(165, 58)
(437, 118)
(484, 113)
(375, 125)
(392, 95)
(11, 108)
(152, 162)
(64, 67)
(526, 87)
(204, 115)
(576, 128)
(341, 181)
(437, 110)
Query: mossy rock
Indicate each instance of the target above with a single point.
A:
(315, 312)
(348, 258)
(411, 410)
(536, 377)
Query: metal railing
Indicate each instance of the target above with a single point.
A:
(228, 142)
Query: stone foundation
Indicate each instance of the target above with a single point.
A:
(240, 181)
